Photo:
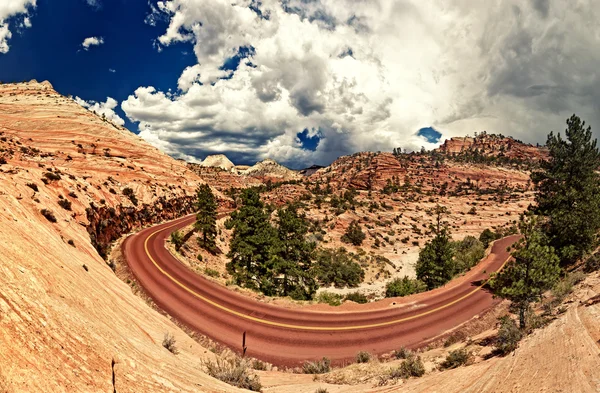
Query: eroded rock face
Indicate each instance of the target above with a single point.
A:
(494, 145)
(107, 224)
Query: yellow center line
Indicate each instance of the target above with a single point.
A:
(301, 327)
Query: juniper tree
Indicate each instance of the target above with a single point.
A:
(533, 270)
(206, 217)
(568, 191)
(354, 234)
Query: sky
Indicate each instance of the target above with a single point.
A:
(306, 81)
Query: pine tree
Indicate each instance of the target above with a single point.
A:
(253, 243)
(206, 217)
(533, 270)
(293, 259)
(568, 191)
(435, 266)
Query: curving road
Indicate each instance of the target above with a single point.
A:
(289, 336)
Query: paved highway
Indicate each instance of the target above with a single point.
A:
(289, 336)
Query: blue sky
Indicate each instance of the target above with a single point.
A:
(51, 50)
(304, 82)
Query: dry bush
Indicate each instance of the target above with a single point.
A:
(234, 371)
(411, 367)
(317, 367)
(169, 343)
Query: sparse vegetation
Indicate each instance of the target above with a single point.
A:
(52, 176)
(356, 297)
(457, 358)
(48, 214)
(211, 272)
(363, 357)
(404, 286)
(128, 192)
(170, 344)
(317, 367)
(33, 186)
(508, 337)
(411, 367)
(65, 204)
(177, 239)
(354, 234)
(333, 299)
(233, 371)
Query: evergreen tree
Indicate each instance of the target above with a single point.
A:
(533, 270)
(569, 191)
(206, 217)
(293, 259)
(253, 242)
(354, 234)
(435, 266)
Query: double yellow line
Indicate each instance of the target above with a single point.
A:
(301, 327)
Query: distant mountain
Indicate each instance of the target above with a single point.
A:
(269, 168)
(310, 170)
(218, 161)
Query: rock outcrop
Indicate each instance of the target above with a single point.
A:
(218, 161)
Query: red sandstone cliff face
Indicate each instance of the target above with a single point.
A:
(375, 171)
(494, 145)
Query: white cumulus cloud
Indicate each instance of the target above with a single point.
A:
(368, 74)
(92, 41)
(8, 9)
(103, 108)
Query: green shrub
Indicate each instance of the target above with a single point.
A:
(211, 272)
(337, 267)
(321, 390)
(403, 353)
(488, 236)
(508, 337)
(356, 297)
(354, 234)
(404, 286)
(565, 286)
(233, 371)
(317, 367)
(457, 358)
(333, 299)
(33, 186)
(467, 253)
(411, 367)
(177, 239)
(363, 357)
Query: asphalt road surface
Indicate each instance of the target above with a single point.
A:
(289, 336)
